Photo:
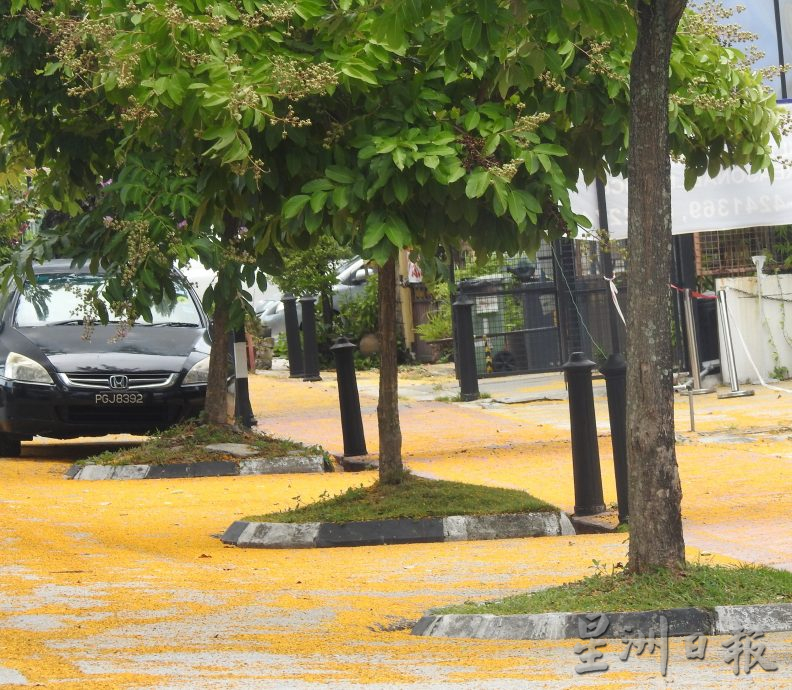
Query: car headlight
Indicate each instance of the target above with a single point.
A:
(21, 368)
(198, 374)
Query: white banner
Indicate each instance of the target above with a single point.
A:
(733, 199)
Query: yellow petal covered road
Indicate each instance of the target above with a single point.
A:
(123, 584)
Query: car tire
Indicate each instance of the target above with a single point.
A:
(10, 447)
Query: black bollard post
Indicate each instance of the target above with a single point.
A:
(243, 410)
(292, 323)
(311, 352)
(465, 348)
(615, 373)
(349, 399)
(585, 451)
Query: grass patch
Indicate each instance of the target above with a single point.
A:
(185, 443)
(703, 586)
(458, 398)
(414, 498)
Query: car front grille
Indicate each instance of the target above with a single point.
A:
(117, 381)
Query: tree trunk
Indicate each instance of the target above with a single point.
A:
(215, 408)
(655, 492)
(216, 389)
(391, 469)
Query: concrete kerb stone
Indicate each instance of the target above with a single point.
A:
(291, 464)
(269, 535)
(722, 620)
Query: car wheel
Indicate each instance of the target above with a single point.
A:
(10, 447)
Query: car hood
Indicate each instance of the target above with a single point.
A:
(143, 348)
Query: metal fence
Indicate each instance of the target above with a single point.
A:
(530, 313)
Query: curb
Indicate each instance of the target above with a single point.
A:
(282, 535)
(208, 468)
(722, 620)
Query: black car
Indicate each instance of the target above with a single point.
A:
(61, 380)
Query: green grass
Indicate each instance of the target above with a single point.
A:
(414, 498)
(458, 397)
(703, 586)
(185, 443)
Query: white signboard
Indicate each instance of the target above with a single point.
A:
(733, 199)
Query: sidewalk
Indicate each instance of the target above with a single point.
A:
(123, 585)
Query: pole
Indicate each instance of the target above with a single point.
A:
(695, 367)
(311, 353)
(728, 346)
(607, 264)
(296, 366)
(242, 407)
(349, 398)
(780, 39)
(615, 373)
(465, 348)
(585, 451)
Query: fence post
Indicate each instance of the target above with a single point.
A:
(615, 372)
(296, 366)
(311, 353)
(585, 451)
(349, 398)
(728, 345)
(692, 342)
(465, 348)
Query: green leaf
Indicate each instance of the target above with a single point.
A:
(431, 162)
(340, 174)
(550, 149)
(471, 32)
(477, 184)
(359, 73)
(399, 158)
(500, 198)
(397, 232)
(294, 205)
(516, 208)
(340, 198)
(471, 120)
(528, 200)
(400, 189)
(491, 144)
(374, 231)
(318, 201)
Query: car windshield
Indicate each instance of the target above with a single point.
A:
(60, 299)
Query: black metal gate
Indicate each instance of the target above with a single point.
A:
(529, 314)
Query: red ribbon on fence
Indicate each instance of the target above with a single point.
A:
(693, 293)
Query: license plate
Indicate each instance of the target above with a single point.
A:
(118, 399)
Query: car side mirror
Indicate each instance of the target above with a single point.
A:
(361, 275)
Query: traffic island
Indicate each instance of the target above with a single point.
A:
(278, 535)
(289, 464)
(722, 620)
(195, 450)
(698, 600)
(414, 511)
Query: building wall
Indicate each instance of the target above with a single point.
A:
(765, 325)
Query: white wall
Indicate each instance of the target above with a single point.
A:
(766, 333)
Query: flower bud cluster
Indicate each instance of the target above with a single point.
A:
(296, 79)
(507, 171)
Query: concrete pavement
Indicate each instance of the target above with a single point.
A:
(124, 585)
